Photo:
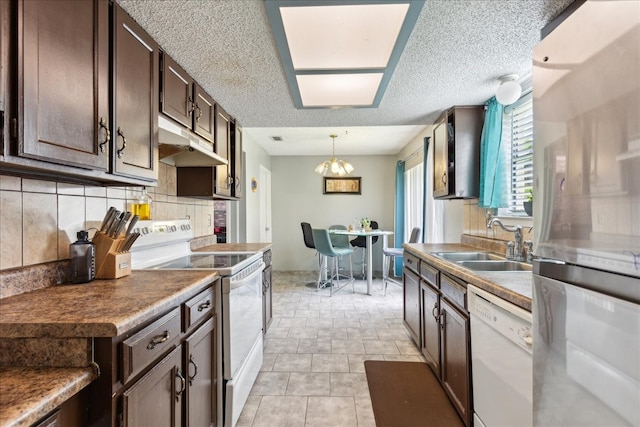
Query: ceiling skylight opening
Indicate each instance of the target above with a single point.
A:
(323, 90)
(340, 53)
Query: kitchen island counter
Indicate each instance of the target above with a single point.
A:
(512, 286)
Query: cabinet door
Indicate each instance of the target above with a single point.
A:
(63, 82)
(267, 313)
(440, 159)
(156, 399)
(430, 303)
(455, 358)
(176, 100)
(236, 160)
(223, 179)
(411, 293)
(135, 110)
(200, 369)
(204, 114)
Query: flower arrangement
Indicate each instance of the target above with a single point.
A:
(529, 192)
(365, 222)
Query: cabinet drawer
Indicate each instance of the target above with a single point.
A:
(454, 291)
(139, 350)
(411, 262)
(429, 274)
(198, 307)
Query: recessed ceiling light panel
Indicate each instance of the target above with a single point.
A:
(339, 90)
(324, 44)
(342, 37)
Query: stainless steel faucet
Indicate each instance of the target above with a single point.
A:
(517, 230)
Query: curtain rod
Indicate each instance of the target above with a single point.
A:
(412, 155)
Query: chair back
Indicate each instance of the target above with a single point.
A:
(361, 241)
(307, 235)
(415, 235)
(339, 240)
(323, 243)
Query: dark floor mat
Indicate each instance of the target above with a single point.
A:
(407, 394)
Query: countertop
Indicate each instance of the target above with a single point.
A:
(512, 286)
(102, 308)
(28, 394)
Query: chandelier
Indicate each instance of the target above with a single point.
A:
(334, 166)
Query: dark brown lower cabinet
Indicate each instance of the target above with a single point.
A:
(199, 364)
(435, 313)
(455, 358)
(430, 326)
(72, 412)
(156, 399)
(411, 294)
(165, 372)
(267, 301)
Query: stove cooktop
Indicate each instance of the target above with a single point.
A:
(204, 261)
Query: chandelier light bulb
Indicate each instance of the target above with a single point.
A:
(334, 166)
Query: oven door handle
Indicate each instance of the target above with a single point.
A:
(235, 284)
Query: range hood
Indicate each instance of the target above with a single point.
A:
(179, 147)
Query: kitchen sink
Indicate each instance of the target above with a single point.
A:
(467, 256)
(486, 265)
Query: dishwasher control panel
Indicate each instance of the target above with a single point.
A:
(508, 319)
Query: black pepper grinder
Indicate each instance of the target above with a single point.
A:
(83, 259)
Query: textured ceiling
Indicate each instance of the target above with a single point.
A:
(454, 56)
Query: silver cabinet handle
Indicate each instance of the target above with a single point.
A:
(124, 143)
(158, 339)
(107, 134)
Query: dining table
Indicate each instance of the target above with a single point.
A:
(368, 234)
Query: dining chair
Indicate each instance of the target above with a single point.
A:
(307, 236)
(323, 244)
(361, 242)
(392, 253)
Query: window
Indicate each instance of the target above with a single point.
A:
(517, 137)
(413, 191)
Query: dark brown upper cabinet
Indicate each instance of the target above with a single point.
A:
(182, 99)
(224, 180)
(77, 88)
(135, 101)
(236, 159)
(63, 115)
(456, 155)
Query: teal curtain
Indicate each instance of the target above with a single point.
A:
(425, 168)
(399, 227)
(493, 162)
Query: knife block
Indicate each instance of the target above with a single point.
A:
(110, 264)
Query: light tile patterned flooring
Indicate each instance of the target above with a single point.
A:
(313, 371)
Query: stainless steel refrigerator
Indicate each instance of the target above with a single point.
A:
(586, 296)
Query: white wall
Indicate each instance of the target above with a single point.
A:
(297, 197)
(255, 156)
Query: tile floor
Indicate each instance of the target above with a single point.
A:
(313, 370)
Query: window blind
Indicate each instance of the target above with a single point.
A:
(518, 137)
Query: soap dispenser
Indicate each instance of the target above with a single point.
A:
(82, 254)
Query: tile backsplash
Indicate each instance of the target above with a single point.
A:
(39, 219)
(475, 224)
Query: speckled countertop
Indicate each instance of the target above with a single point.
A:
(102, 308)
(26, 395)
(512, 286)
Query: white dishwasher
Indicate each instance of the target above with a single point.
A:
(501, 362)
